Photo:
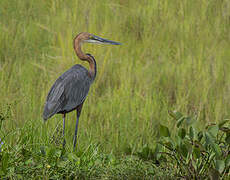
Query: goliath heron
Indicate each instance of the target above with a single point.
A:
(69, 91)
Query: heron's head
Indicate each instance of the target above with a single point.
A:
(90, 38)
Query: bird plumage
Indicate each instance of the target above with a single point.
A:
(68, 91)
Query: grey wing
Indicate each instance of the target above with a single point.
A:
(69, 90)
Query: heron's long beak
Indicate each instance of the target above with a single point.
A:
(99, 40)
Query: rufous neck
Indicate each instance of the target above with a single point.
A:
(85, 57)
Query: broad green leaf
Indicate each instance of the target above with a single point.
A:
(175, 114)
(179, 122)
(191, 133)
(227, 161)
(220, 166)
(182, 133)
(208, 139)
(214, 174)
(213, 130)
(189, 120)
(222, 123)
(164, 131)
(216, 148)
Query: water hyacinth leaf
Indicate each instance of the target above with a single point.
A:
(189, 120)
(222, 123)
(208, 139)
(220, 165)
(191, 133)
(227, 161)
(214, 174)
(164, 131)
(182, 133)
(175, 114)
(179, 122)
(213, 130)
(216, 148)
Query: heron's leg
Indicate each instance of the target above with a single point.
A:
(76, 127)
(63, 132)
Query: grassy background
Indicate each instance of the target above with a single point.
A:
(175, 55)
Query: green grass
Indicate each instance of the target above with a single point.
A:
(175, 56)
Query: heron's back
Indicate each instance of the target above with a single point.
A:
(68, 91)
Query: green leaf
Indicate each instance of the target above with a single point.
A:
(222, 123)
(167, 141)
(179, 122)
(227, 139)
(191, 133)
(189, 120)
(213, 130)
(182, 133)
(184, 150)
(5, 162)
(214, 174)
(73, 157)
(164, 131)
(29, 162)
(62, 164)
(216, 148)
(196, 152)
(200, 136)
(175, 114)
(227, 161)
(225, 129)
(208, 139)
(199, 145)
(220, 166)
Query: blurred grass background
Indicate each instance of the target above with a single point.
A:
(175, 56)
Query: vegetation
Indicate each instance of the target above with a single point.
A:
(175, 56)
